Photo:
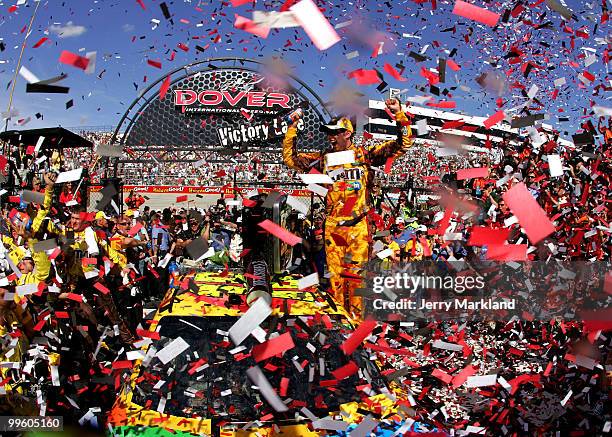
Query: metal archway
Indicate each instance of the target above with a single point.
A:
(150, 123)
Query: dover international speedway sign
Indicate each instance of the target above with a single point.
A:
(232, 104)
(245, 111)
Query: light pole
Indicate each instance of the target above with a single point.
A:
(23, 46)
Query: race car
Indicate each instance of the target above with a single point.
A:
(298, 373)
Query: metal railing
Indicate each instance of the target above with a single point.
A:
(108, 128)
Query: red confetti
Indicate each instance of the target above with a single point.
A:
(363, 330)
(339, 239)
(134, 230)
(347, 209)
(247, 25)
(452, 65)
(345, 371)
(280, 232)
(77, 61)
(507, 252)
(388, 165)
(153, 63)
(101, 288)
(164, 88)
(394, 73)
(472, 173)
(494, 119)
(272, 347)
(475, 13)
(75, 297)
(447, 104)
(40, 42)
(365, 77)
(442, 376)
(482, 235)
(531, 216)
(284, 386)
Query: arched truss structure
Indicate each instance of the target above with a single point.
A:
(154, 124)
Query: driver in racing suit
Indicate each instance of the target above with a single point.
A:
(346, 228)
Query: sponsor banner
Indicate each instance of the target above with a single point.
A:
(175, 189)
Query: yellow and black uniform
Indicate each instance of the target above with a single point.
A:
(12, 400)
(350, 180)
(42, 266)
(78, 248)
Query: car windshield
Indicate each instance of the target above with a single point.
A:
(209, 379)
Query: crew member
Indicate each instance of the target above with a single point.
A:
(134, 201)
(346, 229)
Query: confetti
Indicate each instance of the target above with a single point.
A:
(163, 90)
(337, 158)
(365, 77)
(275, 20)
(77, 61)
(475, 13)
(364, 329)
(69, 176)
(482, 235)
(250, 26)
(28, 75)
(280, 232)
(267, 391)
(172, 350)
(555, 167)
(394, 73)
(275, 346)
(494, 119)
(471, 173)
(308, 281)
(530, 215)
(249, 321)
(315, 24)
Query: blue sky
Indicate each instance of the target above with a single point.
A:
(121, 33)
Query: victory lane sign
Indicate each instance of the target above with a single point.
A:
(251, 133)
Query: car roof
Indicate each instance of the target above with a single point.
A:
(224, 294)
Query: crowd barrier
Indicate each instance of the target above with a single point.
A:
(218, 190)
(162, 196)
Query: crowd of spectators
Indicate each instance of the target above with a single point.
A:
(157, 166)
(82, 281)
(75, 287)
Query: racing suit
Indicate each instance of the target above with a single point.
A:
(347, 235)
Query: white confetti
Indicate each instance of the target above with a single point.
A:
(249, 321)
(172, 350)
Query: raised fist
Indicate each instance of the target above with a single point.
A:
(50, 178)
(393, 105)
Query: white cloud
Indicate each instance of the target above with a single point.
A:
(128, 27)
(68, 30)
